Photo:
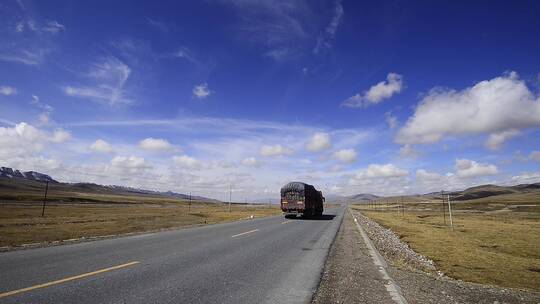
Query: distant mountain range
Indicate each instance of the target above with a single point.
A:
(32, 176)
(471, 193)
(362, 197)
(493, 190)
(28, 175)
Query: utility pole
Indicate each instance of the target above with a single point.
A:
(402, 207)
(450, 212)
(230, 197)
(189, 206)
(45, 198)
(443, 207)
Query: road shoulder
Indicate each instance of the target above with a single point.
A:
(350, 276)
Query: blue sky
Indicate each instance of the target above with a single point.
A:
(387, 98)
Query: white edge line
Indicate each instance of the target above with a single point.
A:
(392, 288)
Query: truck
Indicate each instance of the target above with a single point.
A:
(299, 198)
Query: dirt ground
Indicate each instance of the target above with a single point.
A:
(351, 277)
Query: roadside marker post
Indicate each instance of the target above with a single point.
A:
(45, 198)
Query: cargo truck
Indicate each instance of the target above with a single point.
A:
(301, 199)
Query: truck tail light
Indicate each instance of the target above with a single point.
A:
(300, 202)
(284, 202)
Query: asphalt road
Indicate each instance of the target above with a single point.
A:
(267, 260)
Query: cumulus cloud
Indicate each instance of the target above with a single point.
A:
(109, 77)
(318, 142)
(130, 164)
(378, 171)
(496, 140)
(275, 150)
(250, 162)
(408, 151)
(201, 91)
(60, 136)
(424, 176)
(526, 178)
(499, 107)
(377, 93)
(155, 144)
(7, 90)
(466, 168)
(20, 140)
(346, 155)
(24, 139)
(187, 162)
(101, 146)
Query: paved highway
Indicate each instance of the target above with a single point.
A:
(267, 260)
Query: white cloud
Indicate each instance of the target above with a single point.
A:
(185, 53)
(466, 168)
(526, 178)
(201, 91)
(187, 162)
(496, 140)
(33, 56)
(378, 171)
(346, 155)
(7, 90)
(377, 93)
(391, 120)
(21, 140)
(424, 176)
(130, 164)
(535, 155)
(24, 140)
(318, 142)
(101, 146)
(44, 118)
(53, 27)
(110, 76)
(275, 150)
(325, 38)
(408, 151)
(251, 162)
(155, 144)
(491, 106)
(60, 136)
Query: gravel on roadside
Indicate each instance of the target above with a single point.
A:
(419, 280)
(349, 274)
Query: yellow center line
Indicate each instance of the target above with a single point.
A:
(251, 231)
(80, 276)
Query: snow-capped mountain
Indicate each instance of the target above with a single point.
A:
(29, 175)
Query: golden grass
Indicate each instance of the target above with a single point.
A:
(492, 243)
(22, 224)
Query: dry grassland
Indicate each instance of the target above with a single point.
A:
(494, 241)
